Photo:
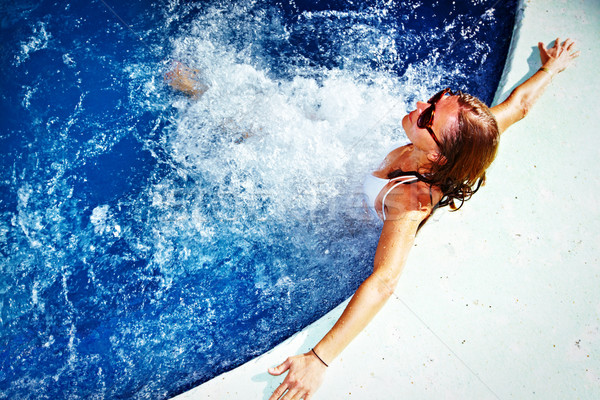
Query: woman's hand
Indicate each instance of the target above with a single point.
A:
(305, 376)
(554, 60)
(558, 57)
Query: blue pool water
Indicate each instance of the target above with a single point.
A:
(143, 248)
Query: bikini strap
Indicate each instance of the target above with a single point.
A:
(431, 197)
(400, 180)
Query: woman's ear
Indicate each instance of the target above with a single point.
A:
(436, 157)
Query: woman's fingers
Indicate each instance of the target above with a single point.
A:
(281, 368)
(544, 56)
(298, 395)
(569, 47)
(569, 43)
(541, 46)
(292, 394)
(279, 391)
(304, 376)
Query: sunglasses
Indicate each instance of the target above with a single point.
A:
(425, 120)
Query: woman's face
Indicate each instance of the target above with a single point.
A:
(446, 112)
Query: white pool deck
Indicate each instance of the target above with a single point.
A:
(500, 300)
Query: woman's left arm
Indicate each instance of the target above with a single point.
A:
(554, 60)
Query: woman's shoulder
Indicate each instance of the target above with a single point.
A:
(393, 160)
(416, 199)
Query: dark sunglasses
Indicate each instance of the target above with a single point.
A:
(425, 120)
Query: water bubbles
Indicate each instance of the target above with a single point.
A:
(68, 60)
(29, 92)
(101, 220)
(37, 41)
(140, 221)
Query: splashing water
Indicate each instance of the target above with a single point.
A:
(149, 241)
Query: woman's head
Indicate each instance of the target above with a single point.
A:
(464, 134)
(468, 147)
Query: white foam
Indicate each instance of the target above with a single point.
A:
(302, 131)
(37, 41)
(103, 221)
(313, 134)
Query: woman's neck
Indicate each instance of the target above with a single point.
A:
(418, 160)
(406, 158)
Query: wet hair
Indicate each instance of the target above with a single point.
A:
(468, 148)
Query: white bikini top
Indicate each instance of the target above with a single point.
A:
(374, 185)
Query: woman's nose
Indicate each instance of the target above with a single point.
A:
(421, 105)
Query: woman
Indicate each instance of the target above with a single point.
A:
(454, 138)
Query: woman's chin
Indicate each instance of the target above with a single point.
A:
(406, 121)
(406, 124)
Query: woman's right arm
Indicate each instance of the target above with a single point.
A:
(305, 371)
(554, 60)
(406, 210)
